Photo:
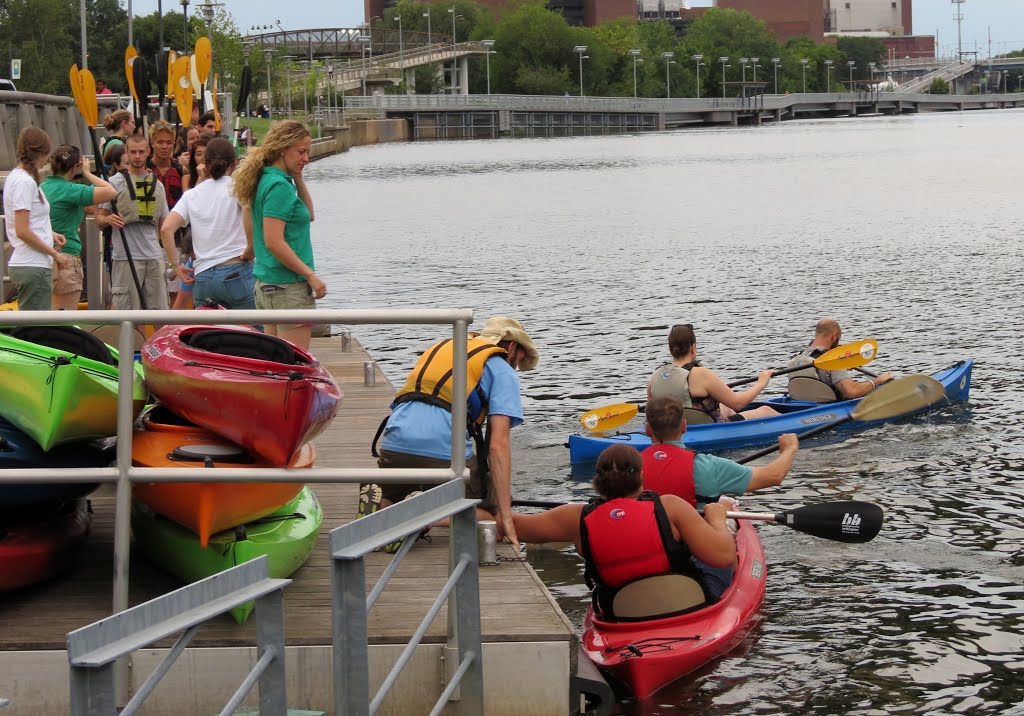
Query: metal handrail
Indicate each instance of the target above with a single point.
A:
(94, 649)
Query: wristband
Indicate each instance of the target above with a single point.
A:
(873, 386)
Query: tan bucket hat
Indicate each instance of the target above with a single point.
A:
(502, 328)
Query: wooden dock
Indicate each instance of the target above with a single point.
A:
(527, 638)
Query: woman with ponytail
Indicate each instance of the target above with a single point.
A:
(270, 186)
(67, 212)
(221, 245)
(28, 224)
(120, 124)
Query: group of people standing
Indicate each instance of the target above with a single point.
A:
(178, 207)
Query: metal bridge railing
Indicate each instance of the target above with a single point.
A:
(349, 546)
(94, 649)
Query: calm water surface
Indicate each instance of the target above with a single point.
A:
(908, 230)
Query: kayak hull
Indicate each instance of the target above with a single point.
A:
(18, 450)
(41, 544)
(798, 417)
(286, 536)
(270, 408)
(206, 507)
(56, 397)
(645, 656)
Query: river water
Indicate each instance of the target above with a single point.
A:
(907, 230)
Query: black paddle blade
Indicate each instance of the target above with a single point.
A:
(848, 521)
(243, 89)
(161, 75)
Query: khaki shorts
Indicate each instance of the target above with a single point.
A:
(152, 276)
(479, 487)
(285, 296)
(70, 279)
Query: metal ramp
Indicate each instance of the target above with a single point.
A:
(949, 73)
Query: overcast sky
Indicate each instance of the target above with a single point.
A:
(1004, 17)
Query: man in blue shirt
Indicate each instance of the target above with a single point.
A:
(418, 433)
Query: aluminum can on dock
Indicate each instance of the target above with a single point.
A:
(487, 541)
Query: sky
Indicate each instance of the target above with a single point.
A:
(1004, 17)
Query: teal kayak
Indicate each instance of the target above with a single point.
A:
(60, 384)
(286, 536)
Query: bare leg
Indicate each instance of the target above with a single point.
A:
(299, 335)
(764, 411)
(66, 301)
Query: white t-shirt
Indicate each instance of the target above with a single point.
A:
(21, 193)
(216, 218)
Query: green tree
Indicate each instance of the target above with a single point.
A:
(862, 51)
(37, 32)
(733, 34)
(938, 86)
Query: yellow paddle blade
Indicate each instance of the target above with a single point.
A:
(88, 84)
(194, 76)
(76, 88)
(850, 355)
(183, 89)
(171, 57)
(216, 112)
(204, 58)
(898, 397)
(609, 416)
(129, 57)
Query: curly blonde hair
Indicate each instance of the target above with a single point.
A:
(281, 137)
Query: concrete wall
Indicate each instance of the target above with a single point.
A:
(377, 131)
(870, 15)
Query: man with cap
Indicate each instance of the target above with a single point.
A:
(418, 433)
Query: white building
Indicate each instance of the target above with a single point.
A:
(856, 16)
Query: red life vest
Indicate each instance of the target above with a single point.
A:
(668, 470)
(624, 540)
(171, 181)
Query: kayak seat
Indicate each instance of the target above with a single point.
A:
(243, 344)
(811, 389)
(654, 597)
(692, 416)
(66, 338)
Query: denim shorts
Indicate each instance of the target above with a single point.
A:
(231, 285)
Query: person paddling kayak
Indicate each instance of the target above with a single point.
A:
(627, 534)
(827, 334)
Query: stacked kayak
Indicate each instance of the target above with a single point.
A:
(644, 656)
(42, 543)
(18, 450)
(256, 390)
(287, 536)
(167, 440)
(60, 384)
(796, 417)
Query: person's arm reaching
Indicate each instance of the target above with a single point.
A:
(774, 472)
(708, 538)
(725, 395)
(499, 430)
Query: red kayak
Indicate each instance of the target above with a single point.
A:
(644, 656)
(39, 545)
(258, 391)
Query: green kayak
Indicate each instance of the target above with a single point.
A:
(60, 384)
(286, 536)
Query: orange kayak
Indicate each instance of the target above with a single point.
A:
(208, 507)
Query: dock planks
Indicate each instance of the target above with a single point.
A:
(515, 606)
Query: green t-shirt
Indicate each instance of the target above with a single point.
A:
(277, 198)
(714, 475)
(67, 209)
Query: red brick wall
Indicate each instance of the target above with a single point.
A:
(786, 18)
(908, 17)
(912, 45)
(597, 11)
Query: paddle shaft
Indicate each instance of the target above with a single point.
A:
(802, 436)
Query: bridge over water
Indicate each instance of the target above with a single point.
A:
(341, 42)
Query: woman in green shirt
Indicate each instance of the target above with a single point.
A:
(67, 211)
(270, 187)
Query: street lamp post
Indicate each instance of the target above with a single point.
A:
(852, 65)
(430, 49)
(363, 39)
(452, 11)
(184, 15)
(723, 60)
(635, 54)
(246, 49)
(288, 73)
(697, 59)
(488, 44)
(268, 53)
(668, 80)
(579, 50)
(401, 49)
(828, 75)
(803, 65)
(754, 61)
(743, 64)
(775, 67)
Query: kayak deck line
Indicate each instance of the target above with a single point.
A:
(526, 637)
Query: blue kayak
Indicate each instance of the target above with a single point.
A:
(797, 417)
(18, 450)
